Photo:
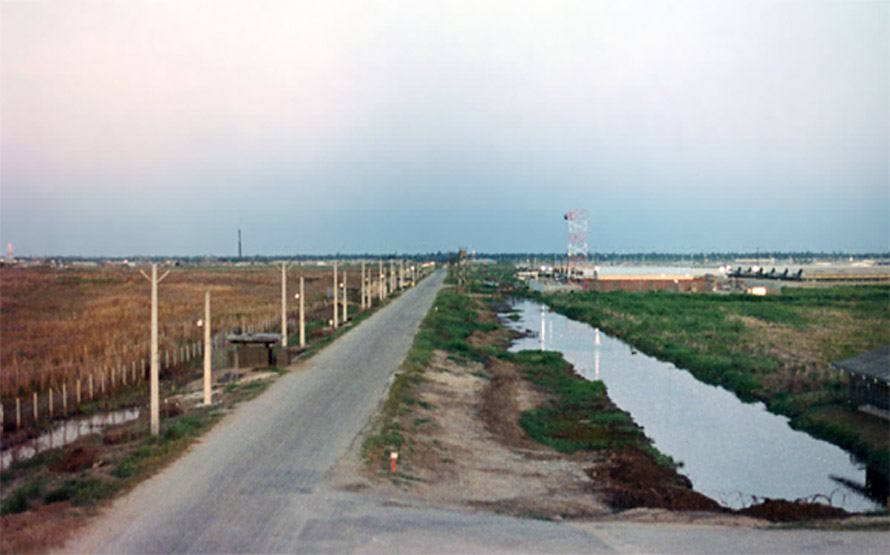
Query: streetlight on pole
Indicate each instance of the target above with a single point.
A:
(205, 323)
(284, 304)
(345, 300)
(302, 317)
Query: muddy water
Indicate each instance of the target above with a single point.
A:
(66, 432)
(732, 451)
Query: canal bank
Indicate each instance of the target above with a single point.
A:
(736, 453)
(455, 418)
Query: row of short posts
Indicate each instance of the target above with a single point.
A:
(97, 383)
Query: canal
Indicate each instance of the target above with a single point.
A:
(734, 452)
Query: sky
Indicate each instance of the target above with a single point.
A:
(162, 127)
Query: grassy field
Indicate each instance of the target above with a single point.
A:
(777, 349)
(60, 324)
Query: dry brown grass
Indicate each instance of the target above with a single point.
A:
(58, 325)
(38, 531)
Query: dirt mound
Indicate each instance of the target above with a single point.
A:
(780, 510)
(38, 530)
(632, 479)
(76, 459)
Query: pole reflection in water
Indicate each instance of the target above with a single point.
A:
(596, 357)
(64, 433)
(732, 451)
(543, 329)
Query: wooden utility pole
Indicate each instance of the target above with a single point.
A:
(208, 397)
(284, 304)
(392, 277)
(302, 316)
(336, 308)
(363, 285)
(155, 404)
(380, 277)
(345, 300)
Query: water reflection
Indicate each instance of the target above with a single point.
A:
(732, 451)
(66, 432)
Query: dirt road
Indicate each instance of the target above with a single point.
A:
(256, 483)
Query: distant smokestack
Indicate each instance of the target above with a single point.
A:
(239, 245)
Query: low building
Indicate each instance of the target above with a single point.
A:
(646, 282)
(257, 350)
(870, 380)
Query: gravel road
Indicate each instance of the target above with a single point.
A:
(256, 483)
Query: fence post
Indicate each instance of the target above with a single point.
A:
(35, 407)
(65, 399)
(50, 396)
(18, 413)
(92, 391)
(78, 392)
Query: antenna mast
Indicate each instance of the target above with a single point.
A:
(576, 251)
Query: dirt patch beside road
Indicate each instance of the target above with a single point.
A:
(464, 449)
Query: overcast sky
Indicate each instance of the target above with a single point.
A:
(149, 127)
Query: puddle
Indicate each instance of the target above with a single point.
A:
(64, 433)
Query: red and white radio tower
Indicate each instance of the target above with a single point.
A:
(576, 259)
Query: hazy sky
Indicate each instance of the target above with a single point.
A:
(161, 127)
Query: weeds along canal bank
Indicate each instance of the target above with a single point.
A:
(777, 349)
(46, 497)
(477, 427)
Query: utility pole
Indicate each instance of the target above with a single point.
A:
(380, 277)
(155, 404)
(363, 284)
(302, 317)
(207, 350)
(392, 277)
(336, 322)
(345, 300)
(284, 304)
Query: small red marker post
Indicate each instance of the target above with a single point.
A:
(393, 456)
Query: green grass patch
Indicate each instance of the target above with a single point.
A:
(580, 416)
(708, 335)
(83, 491)
(21, 498)
(154, 452)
